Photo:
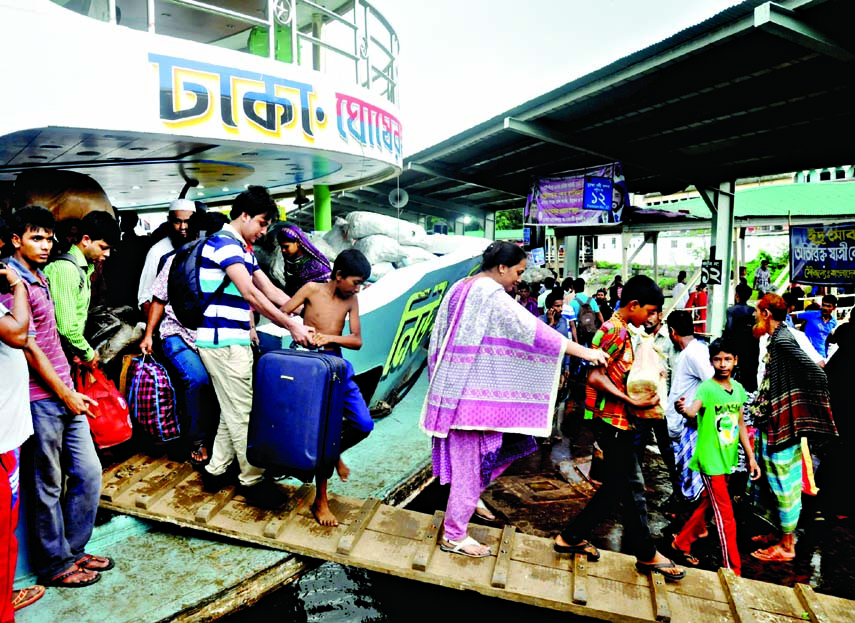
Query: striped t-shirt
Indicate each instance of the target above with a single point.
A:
(226, 319)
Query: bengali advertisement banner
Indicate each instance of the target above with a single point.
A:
(823, 255)
(586, 197)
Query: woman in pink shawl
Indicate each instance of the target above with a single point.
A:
(493, 371)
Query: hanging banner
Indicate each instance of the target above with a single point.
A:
(586, 197)
(823, 255)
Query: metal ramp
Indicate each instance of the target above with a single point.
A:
(400, 542)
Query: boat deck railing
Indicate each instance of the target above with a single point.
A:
(345, 38)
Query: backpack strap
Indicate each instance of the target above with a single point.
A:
(68, 257)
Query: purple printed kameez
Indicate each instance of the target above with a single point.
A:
(494, 371)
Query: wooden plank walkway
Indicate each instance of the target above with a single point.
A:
(404, 543)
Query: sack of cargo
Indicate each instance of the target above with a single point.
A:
(337, 238)
(378, 248)
(364, 224)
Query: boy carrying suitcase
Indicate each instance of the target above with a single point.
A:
(326, 306)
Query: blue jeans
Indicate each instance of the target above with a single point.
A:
(62, 517)
(194, 390)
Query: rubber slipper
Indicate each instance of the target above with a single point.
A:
(67, 579)
(660, 568)
(582, 548)
(484, 515)
(456, 547)
(685, 558)
(23, 597)
(95, 563)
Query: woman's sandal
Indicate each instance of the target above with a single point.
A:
(24, 597)
(75, 577)
(95, 563)
(456, 547)
(584, 547)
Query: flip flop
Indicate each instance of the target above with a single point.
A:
(660, 567)
(61, 580)
(685, 557)
(95, 563)
(456, 547)
(481, 515)
(23, 597)
(584, 547)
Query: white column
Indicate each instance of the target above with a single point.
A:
(722, 242)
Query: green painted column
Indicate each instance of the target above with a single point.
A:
(323, 208)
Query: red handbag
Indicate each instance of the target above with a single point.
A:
(111, 424)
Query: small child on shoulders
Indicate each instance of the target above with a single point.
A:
(326, 306)
(721, 427)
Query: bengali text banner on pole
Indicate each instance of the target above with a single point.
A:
(585, 197)
(823, 255)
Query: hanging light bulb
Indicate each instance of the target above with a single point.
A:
(300, 198)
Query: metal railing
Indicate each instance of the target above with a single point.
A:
(346, 33)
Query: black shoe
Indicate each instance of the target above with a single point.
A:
(213, 484)
(266, 495)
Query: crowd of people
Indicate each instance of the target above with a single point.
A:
(740, 413)
(45, 440)
(744, 403)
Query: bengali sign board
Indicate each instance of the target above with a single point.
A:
(823, 255)
(586, 197)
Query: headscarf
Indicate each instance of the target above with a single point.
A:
(313, 266)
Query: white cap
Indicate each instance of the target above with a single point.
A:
(182, 204)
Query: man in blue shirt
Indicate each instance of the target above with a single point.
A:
(819, 323)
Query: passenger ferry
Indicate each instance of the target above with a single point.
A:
(156, 99)
(159, 98)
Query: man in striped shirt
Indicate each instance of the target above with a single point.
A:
(63, 473)
(223, 339)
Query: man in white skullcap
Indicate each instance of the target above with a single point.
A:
(180, 213)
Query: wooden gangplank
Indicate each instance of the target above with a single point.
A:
(523, 568)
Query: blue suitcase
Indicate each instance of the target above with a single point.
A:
(297, 407)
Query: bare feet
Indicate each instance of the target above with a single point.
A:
(323, 514)
(774, 553)
(342, 470)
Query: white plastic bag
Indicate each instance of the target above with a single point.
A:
(647, 379)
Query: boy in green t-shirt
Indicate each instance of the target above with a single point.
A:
(718, 408)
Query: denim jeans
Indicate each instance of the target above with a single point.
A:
(61, 517)
(622, 484)
(194, 390)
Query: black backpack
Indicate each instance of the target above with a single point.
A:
(184, 290)
(587, 322)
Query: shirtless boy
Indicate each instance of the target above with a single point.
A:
(326, 306)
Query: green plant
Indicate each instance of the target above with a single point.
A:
(607, 266)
